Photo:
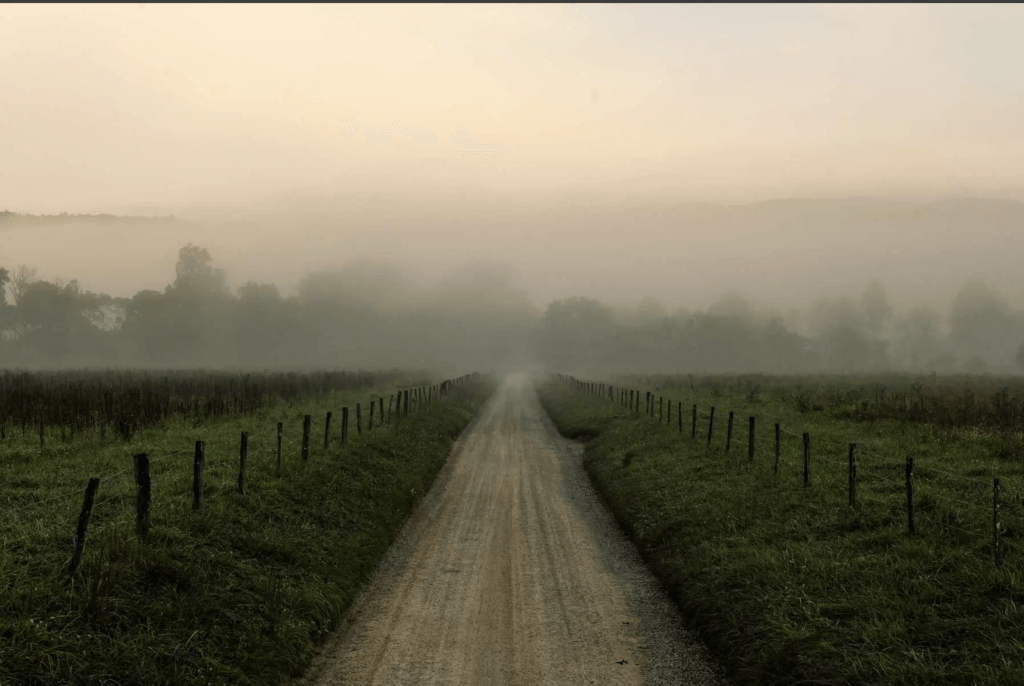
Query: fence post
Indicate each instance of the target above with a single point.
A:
(327, 430)
(243, 454)
(995, 521)
(910, 496)
(359, 419)
(305, 436)
(777, 431)
(728, 434)
(750, 441)
(344, 425)
(83, 524)
(198, 464)
(631, 401)
(680, 406)
(807, 459)
(280, 428)
(142, 494)
(381, 401)
(369, 424)
(711, 424)
(853, 475)
(661, 409)
(647, 406)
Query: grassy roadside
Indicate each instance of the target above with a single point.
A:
(789, 585)
(238, 593)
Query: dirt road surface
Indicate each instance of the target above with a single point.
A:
(511, 572)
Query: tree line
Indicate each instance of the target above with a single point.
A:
(370, 316)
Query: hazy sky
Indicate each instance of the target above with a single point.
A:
(107, 107)
(305, 136)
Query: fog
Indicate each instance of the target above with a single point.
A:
(659, 188)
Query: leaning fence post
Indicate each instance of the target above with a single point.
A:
(853, 474)
(359, 419)
(327, 430)
(142, 494)
(728, 433)
(910, 495)
(995, 520)
(83, 524)
(344, 425)
(198, 464)
(280, 428)
(369, 425)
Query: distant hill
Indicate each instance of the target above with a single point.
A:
(10, 219)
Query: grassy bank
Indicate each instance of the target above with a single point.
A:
(789, 584)
(237, 593)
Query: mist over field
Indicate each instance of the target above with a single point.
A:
(657, 188)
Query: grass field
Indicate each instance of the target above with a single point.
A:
(789, 584)
(239, 592)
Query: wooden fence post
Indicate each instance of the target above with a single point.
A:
(750, 441)
(198, 465)
(243, 455)
(381, 401)
(280, 428)
(807, 459)
(853, 474)
(344, 425)
(911, 526)
(327, 430)
(142, 494)
(661, 409)
(777, 432)
(995, 521)
(728, 433)
(711, 424)
(305, 436)
(359, 419)
(83, 525)
(369, 424)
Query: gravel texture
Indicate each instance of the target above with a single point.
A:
(511, 571)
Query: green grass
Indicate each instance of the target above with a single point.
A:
(239, 593)
(790, 585)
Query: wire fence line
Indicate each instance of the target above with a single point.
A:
(252, 448)
(827, 449)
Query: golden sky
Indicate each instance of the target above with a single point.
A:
(106, 107)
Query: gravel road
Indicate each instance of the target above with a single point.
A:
(512, 572)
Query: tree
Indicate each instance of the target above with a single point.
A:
(5, 277)
(874, 304)
(23, 277)
(1020, 357)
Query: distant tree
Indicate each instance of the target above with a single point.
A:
(5, 277)
(874, 304)
(23, 277)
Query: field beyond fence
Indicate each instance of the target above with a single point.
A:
(218, 540)
(813, 533)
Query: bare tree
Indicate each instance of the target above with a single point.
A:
(23, 277)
